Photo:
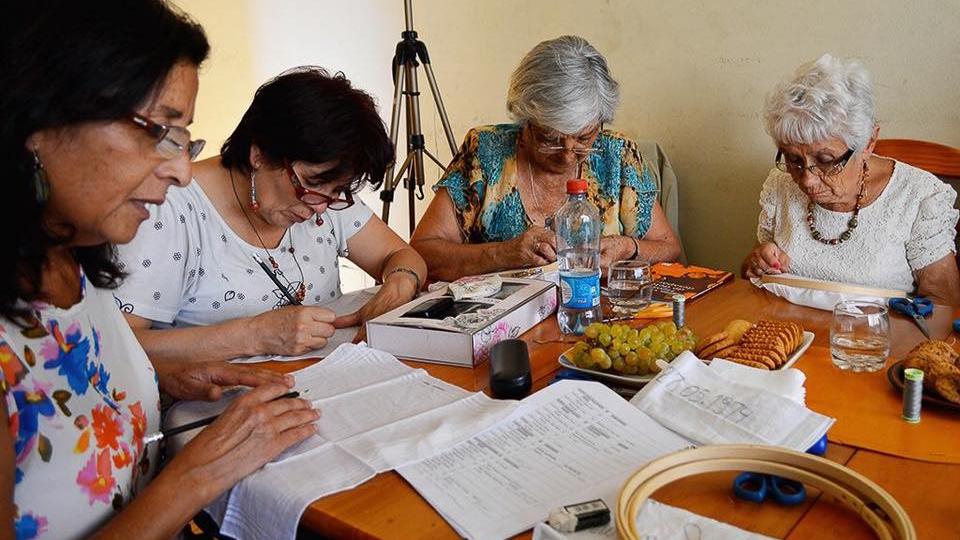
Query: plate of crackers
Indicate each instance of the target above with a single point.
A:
(766, 344)
(941, 372)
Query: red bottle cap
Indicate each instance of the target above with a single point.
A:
(577, 185)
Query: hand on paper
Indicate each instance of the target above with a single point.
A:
(767, 258)
(394, 292)
(292, 330)
(535, 247)
(206, 381)
(254, 429)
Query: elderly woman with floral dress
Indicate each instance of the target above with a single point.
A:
(493, 203)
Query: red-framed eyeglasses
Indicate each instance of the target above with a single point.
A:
(314, 198)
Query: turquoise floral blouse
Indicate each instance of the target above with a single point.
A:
(482, 182)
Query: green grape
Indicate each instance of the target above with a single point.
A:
(644, 354)
(603, 360)
(583, 360)
(605, 338)
(596, 354)
(631, 359)
(592, 331)
(667, 327)
(678, 347)
(615, 343)
(616, 330)
(656, 340)
(631, 370)
(625, 348)
(618, 365)
(581, 346)
(644, 334)
(614, 354)
(659, 349)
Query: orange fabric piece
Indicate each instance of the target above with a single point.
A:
(868, 408)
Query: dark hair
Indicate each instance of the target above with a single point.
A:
(64, 63)
(304, 114)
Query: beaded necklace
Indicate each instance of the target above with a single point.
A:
(851, 225)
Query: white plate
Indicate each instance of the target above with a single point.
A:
(640, 380)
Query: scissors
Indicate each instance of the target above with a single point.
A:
(919, 308)
(756, 487)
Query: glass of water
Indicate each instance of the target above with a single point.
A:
(860, 336)
(629, 286)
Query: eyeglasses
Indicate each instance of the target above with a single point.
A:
(172, 141)
(550, 144)
(823, 170)
(314, 198)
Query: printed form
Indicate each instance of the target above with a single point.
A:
(571, 442)
(377, 414)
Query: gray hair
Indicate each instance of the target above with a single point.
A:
(563, 84)
(825, 99)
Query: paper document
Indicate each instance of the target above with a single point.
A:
(345, 305)
(571, 442)
(703, 405)
(378, 414)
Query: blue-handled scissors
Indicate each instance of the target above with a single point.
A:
(918, 309)
(756, 487)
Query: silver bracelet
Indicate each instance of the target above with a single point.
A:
(416, 278)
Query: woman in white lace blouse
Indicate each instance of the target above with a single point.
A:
(833, 210)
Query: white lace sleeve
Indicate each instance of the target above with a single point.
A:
(769, 196)
(934, 230)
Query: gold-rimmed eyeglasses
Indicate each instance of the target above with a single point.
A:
(828, 169)
(172, 141)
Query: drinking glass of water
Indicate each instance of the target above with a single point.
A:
(860, 336)
(629, 286)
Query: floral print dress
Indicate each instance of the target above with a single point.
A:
(80, 396)
(482, 183)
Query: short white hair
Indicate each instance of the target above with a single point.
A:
(563, 84)
(825, 99)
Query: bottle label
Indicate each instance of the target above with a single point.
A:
(580, 291)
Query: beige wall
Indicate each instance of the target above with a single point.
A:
(692, 73)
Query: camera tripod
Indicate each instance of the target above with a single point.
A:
(404, 67)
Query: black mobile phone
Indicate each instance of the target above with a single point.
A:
(435, 308)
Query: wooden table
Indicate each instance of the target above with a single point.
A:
(388, 507)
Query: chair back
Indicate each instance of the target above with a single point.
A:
(939, 159)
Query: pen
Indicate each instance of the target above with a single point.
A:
(273, 278)
(154, 437)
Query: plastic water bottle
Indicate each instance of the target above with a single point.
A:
(578, 258)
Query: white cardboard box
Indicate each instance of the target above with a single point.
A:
(465, 339)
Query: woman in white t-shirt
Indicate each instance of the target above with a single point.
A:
(281, 191)
(833, 210)
(82, 152)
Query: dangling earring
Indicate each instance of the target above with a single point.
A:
(319, 219)
(254, 205)
(41, 184)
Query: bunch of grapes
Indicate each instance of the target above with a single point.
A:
(619, 348)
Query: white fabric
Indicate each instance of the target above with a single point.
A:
(187, 267)
(785, 382)
(377, 414)
(655, 521)
(908, 227)
(87, 388)
(815, 298)
(703, 405)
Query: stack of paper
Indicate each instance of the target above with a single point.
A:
(377, 414)
(705, 406)
(571, 442)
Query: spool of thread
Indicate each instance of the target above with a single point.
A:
(912, 394)
(679, 304)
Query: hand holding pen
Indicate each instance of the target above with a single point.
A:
(254, 429)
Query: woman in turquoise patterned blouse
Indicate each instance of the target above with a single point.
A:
(506, 180)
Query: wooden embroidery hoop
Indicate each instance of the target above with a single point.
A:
(838, 483)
